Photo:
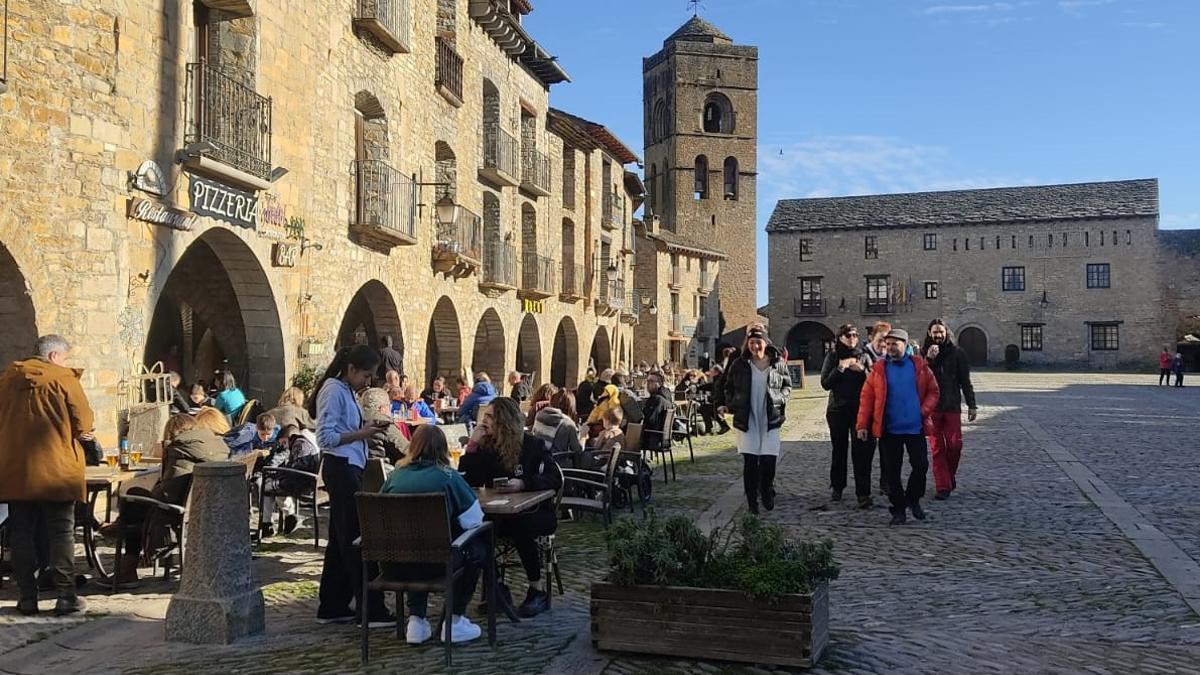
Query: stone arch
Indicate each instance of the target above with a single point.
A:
(974, 341)
(371, 139)
(443, 346)
(701, 171)
(659, 121)
(488, 353)
(564, 356)
(371, 315)
(718, 116)
(808, 341)
(217, 305)
(529, 349)
(17, 313)
(731, 178)
(601, 354)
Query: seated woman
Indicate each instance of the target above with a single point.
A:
(416, 406)
(290, 410)
(500, 448)
(426, 468)
(540, 399)
(437, 395)
(483, 394)
(463, 390)
(298, 450)
(555, 424)
(213, 420)
(392, 384)
(230, 399)
(607, 399)
(186, 444)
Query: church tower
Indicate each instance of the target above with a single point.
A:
(700, 110)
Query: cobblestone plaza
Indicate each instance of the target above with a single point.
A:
(1070, 546)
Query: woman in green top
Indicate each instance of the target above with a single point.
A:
(426, 468)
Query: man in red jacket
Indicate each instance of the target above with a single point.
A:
(895, 406)
(1164, 366)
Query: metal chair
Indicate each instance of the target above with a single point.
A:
(415, 529)
(546, 544)
(591, 490)
(311, 492)
(243, 415)
(660, 442)
(174, 519)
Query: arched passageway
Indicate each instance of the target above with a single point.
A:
(601, 354)
(974, 342)
(564, 359)
(217, 311)
(17, 314)
(808, 341)
(369, 317)
(488, 354)
(529, 350)
(443, 347)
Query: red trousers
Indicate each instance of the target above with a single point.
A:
(945, 443)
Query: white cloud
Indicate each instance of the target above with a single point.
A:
(1077, 6)
(968, 9)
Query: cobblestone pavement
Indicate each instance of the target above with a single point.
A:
(1019, 572)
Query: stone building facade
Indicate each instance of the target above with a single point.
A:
(1063, 274)
(257, 182)
(700, 124)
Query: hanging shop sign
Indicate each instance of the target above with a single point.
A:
(160, 214)
(272, 218)
(150, 178)
(533, 306)
(219, 201)
(285, 254)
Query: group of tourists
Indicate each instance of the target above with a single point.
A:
(1168, 365)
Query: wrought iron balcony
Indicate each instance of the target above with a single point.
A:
(501, 161)
(538, 278)
(612, 297)
(499, 266)
(234, 121)
(385, 205)
(535, 172)
(809, 306)
(387, 20)
(571, 282)
(448, 78)
(612, 211)
(632, 307)
(458, 244)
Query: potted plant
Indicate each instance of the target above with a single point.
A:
(744, 593)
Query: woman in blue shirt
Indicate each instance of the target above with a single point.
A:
(343, 442)
(231, 399)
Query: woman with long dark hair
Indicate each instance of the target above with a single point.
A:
(342, 438)
(756, 392)
(843, 375)
(501, 448)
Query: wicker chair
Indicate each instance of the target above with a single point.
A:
(244, 414)
(659, 442)
(415, 528)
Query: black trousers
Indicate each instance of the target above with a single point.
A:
(708, 412)
(845, 442)
(891, 451)
(1179, 378)
(341, 575)
(1164, 374)
(523, 531)
(53, 523)
(758, 476)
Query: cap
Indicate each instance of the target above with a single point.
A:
(898, 334)
(756, 332)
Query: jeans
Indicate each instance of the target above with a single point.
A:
(341, 575)
(891, 450)
(844, 440)
(53, 522)
(758, 476)
(945, 444)
(474, 558)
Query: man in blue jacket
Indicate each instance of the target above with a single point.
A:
(481, 395)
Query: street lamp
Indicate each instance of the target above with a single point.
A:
(447, 210)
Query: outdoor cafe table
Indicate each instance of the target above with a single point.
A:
(497, 504)
(448, 413)
(101, 479)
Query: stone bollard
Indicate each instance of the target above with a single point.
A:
(219, 599)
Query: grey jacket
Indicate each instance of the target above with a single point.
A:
(737, 390)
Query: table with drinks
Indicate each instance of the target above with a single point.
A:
(121, 467)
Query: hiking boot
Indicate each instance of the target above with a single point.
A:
(535, 603)
(836, 496)
(865, 502)
(917, 511)
(65, 606)
(942, 495)
(898, 518)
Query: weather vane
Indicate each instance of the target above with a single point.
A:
(695, 6)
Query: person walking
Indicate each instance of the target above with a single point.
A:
(44, 415)
(953, 372)
(343, 437)
(877, 349)
(756, 392)
(390, 357)
(1165, 361)
(899, 396)
(1177, 368)
(842, 375)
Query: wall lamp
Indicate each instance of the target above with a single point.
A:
(446, 210)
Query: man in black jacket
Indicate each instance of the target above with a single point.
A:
(654, 412)
(393, 359)
(953, 372)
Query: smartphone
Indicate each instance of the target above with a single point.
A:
(381, 424)
(499, 483)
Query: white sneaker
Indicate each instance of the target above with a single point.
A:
(463, 630)
(418, 630)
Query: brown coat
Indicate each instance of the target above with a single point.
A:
(43, 410)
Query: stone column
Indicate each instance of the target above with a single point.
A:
(219, 599)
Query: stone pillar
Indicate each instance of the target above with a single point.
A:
(219, 599)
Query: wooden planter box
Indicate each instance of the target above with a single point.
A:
(702, 623)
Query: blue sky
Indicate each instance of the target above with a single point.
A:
(868, 96)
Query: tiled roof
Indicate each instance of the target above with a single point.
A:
(689, 245)
(970, 207)
(587, 135)
(1182, 242)
(698, 30)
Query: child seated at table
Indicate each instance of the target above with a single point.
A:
(611, 439)
(426, 468)
(297, 449)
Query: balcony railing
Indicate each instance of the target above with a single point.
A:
(615, 296)
(231, 118)
(632, 307)
(809, 306)
(500, 156)
(386, 204)
(458, 244)
(571, 282)
(535, 172)
(538, 275)
(449, 75)
(612, 211)
(387, 20)
(499, 265)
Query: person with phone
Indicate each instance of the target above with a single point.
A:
(500, 448)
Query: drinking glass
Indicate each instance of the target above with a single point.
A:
(135, 455)
(111, 457)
